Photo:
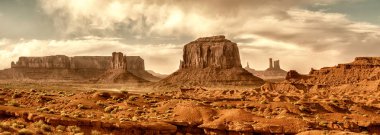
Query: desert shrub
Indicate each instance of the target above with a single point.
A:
(229, 107)
(110, 109)
(13, 103)
(6, 133)
(303, 108)
(38, 124)
(139, 112)
(46, 128)
(25, 131)
(16, 95)
(33, 90)
(43, 109)
(64, 114)
(101, 104)
(80, 106)
(74, 129)
(60, 128)
(132, 98)
(263, 102)
(323, 123)
(18, 125)
(5, 125)
(135, 118)
(95, 132)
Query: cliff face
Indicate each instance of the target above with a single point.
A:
(137, 63)
(90, 62)
(363, 68)
(216, 52)
(60, 67)
(211, 61)
(63, 62)
(58, 61)
(119, 61)
(118, 73)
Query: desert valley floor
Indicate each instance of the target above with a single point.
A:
(211, 93)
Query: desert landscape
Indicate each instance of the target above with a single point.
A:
(209, 94)
(198, 67)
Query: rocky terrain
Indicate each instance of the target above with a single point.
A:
(64, 68)
(211, 61)
(211, 94)
(361, 69)
(273, 72)
(275, 108)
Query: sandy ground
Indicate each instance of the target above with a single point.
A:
(74, 108)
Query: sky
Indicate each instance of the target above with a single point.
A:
(302, 34)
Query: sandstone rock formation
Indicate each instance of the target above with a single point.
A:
(77, 68)
(210, 61)
(363, 68)
(119, 61)
(137, 67)
(293, 74)
(118, 73)
(58, 67)
(273, 72)
(63, 62)
(214, 52)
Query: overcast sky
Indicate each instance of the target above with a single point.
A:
(303, 34)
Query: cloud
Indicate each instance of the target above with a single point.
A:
(162, 17)
(308, 39)
(157, 29)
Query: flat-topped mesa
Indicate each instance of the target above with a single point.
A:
(220, 38)
(61, 67)
(62, 62)
(211, 61)
(53, 62)
(211, 52)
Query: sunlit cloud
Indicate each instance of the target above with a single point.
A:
(157, 31)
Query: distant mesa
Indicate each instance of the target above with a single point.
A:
(361, 69)
(77, 68)
(161, 76)
(118, 71)
(211, 61)
(274, 71)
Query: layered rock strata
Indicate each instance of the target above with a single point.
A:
(118, 73)
(77, 68)
(211, 61)
(361, 69)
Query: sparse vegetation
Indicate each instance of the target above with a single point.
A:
(25, 132)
